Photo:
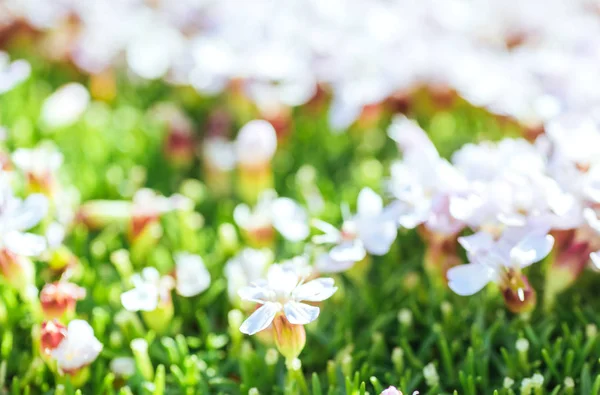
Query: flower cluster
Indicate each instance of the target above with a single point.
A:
(521, 199)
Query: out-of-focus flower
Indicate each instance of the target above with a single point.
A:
(255, 145)
(283, 293)
(371, 230)
(191, 275)
(149, 290)
(501, 261)
(290, 219)
(65, 106)
(123, 366)
(17, 245)
(422, 182)
(248, 266)
(78, 349)
(148, 206)
(52, 333)
(152, 296)
(59, 299)
(284, 214)
(40, 165)
(179, 145)
(12, 73)
(257, 223)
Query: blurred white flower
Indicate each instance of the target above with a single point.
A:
(16, 217)
(371, 230)
(283, 291)
(78, 349)
(290, 219)
(149, 290)
(12, 73)
(247, 266)
(256, 143)
(65, 106)
(123, 366)
(39, 162)
(191, 275)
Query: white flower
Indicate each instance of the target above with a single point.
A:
(149, 289)
(12, 73)
(371, 230)
(41, 161)
(123, 366)
(17, 216)
(256, 143)
(290, 219)
(283, 292)
(78, 349)
(284, 214)
(489, 260)
(247, 266)
(65, 106)
(422, 182)
(191, 274)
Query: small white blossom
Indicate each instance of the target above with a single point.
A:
(149, 289)
(12, 73)
(256, 143)
(371, 230)
(290, 219)
(192, 277)
(247, 266)
(284, 291)
(17, 216)
(123, 366)
(79, 348)
(43, 160)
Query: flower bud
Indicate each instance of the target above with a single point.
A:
(59, 299)
(51, 335)
(97, 214)
(61, 258)
(17, 270)
(289, 339)
(256, 144)
(518, 294)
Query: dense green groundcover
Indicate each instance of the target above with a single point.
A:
(386, 325)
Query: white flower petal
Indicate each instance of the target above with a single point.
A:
(531, 249)
(290, 219)
(477, 242)
(261, 318)
(255, 293)
(369, 203)
(26, 244)
(348, 251)
(377, 236)
(325, 264)
(315, 290)
(144, 297)
(33, 209)
(469, 279)
(300, 313)
(79, 348)
(192, 276)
